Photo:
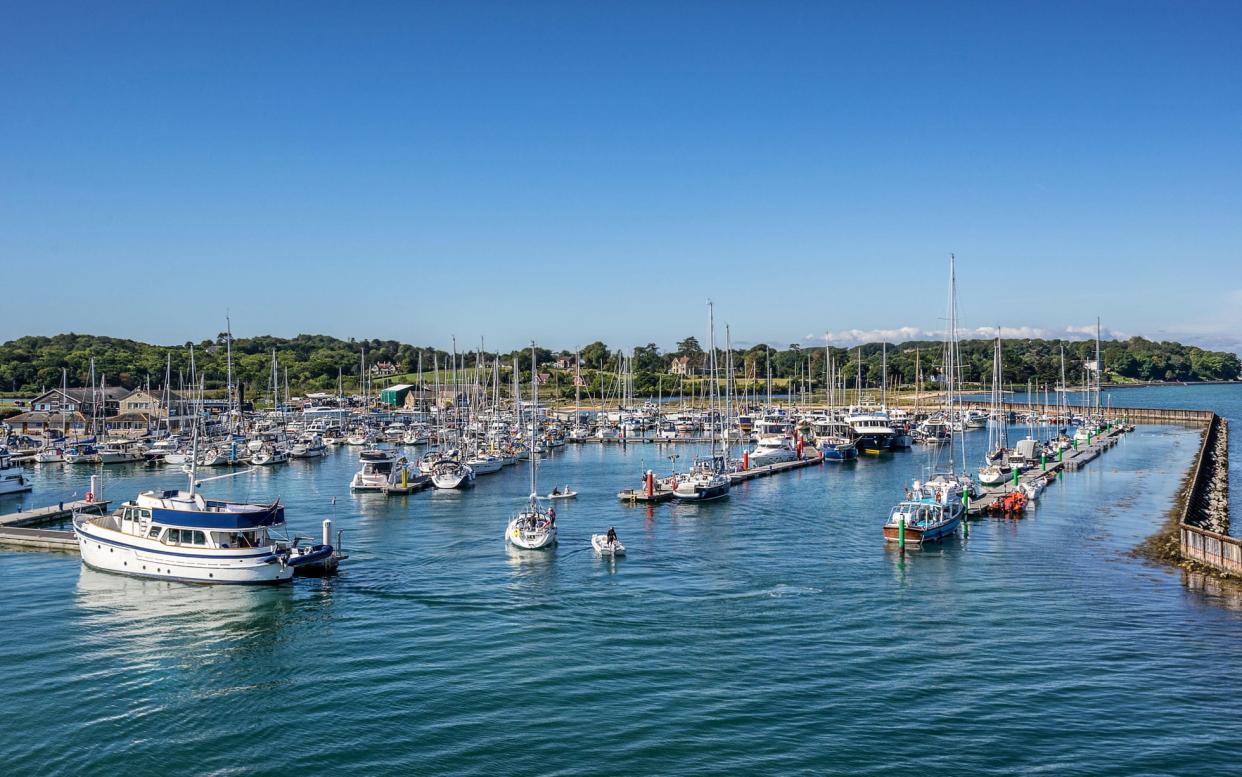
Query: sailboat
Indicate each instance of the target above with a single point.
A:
(707, 479)
(933, 509)
(53, 451)
(997, 468)
(534, 527)
(446, 468)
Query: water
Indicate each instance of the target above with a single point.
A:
(772, 633)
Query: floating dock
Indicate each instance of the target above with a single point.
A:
(1071, 460)
(412, 485)
(18, 529)
(639, 495)
(660, 492)
(765, 470)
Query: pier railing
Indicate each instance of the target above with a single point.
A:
(1215, 550)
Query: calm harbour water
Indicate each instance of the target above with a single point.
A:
(772, 633)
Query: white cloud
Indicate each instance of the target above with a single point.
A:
(846, 337)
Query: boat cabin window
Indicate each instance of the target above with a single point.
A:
(236, 539)
(185, 537)
(154, 532)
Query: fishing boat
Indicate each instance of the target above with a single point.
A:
(119, 452)
(931, 516)
(837, 448)
(534, 528)
(12, 479)
(180, 535)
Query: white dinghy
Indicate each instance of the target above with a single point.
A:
(607, 547)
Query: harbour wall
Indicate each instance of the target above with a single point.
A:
(1134, 415)
(1204, 524)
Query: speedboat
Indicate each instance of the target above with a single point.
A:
(565, 494)
(12, 479)
(771, 449)
(308, 446)
(380, 469)
(604, 547)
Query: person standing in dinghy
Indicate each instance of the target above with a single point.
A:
(612, 536)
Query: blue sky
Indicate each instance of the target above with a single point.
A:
(567, 172)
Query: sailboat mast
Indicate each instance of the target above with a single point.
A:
(534, 423)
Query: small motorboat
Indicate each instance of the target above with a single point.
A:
(1011, 504)
(604, 547)
(567, 493)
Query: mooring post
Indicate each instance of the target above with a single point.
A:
(1043, 461)
(901, 533)
(1015, 477)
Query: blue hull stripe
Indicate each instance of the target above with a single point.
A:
(191, 580)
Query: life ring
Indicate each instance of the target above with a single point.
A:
(89, 497)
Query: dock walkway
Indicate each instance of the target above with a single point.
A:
(18, 529)
(1071, 460)
(662, 493)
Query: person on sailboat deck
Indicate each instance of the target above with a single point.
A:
(612, 536)
(551, 516)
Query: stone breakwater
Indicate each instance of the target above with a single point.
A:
(1213, 508)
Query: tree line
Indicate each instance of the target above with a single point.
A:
(314, 362)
